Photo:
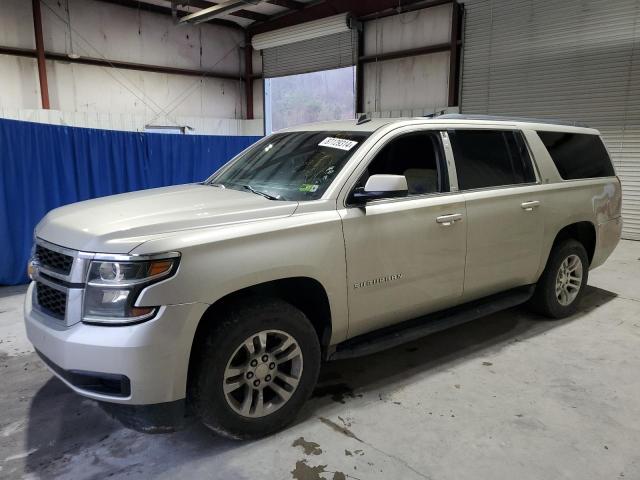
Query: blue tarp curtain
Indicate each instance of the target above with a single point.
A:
(46, 166)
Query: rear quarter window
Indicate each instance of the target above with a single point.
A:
(578, 155)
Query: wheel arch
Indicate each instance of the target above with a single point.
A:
(583, 232)
(305, 293)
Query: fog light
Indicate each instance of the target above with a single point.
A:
(31, 268)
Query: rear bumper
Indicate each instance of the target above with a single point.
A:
(139, 364)
(607, 238)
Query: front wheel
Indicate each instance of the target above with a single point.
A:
(563, 281)
(256, 369)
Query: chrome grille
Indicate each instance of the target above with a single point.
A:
(52, 300)
(58, 262)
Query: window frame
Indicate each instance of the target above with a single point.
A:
(444, 165)
(523, 137)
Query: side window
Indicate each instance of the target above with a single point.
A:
(490, 158)
(577, 155)
(417, 156)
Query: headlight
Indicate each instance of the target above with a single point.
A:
(114, 286)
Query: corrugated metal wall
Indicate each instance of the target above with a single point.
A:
(573, 59)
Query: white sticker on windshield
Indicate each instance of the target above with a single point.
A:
(339, 143)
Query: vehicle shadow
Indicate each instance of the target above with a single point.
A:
(66, 432)
(69, 436)
(12, 290)
(345, 379)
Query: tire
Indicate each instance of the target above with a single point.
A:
(225, 354)
(545, 300)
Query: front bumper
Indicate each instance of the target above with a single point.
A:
(153, 356)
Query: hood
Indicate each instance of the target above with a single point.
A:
(118, 223)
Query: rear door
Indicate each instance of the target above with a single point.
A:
(405, 256)
(504, 209)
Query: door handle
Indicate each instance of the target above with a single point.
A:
(446, 220)
(529, 206)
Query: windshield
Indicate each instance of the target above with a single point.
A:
(291, 166)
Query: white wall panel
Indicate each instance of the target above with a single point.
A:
(16, 24)
(106, 31)
(19, 87)
(121, 33)
(75, 87)
(574, 60)
(419, 82)
(420, 28)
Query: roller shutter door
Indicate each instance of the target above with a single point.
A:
(571, 60)
(324, 53)
(322, 44)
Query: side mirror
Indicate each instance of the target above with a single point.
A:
(381, 186)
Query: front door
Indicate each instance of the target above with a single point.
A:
(406, 256)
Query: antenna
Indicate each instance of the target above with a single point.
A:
(435, 114)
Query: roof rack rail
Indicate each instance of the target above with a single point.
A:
(459, 116)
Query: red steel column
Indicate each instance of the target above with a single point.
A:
(42, 67)
(248, 75)
(454, 58)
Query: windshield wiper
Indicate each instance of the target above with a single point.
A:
(257, 192)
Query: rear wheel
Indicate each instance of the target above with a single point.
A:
(256, 369)
(562, 283)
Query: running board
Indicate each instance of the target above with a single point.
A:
(404, 332)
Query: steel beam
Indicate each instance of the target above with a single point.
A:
(42, 64)
(290, 4)
(227, 7)
(251, 15)
(360, 74)
(248, 76)
(454, 58)
(149, 7)
(358, 8)
(410, 6)
(380, 57)
(258, 17)
(101, 62)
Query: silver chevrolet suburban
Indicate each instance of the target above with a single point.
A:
(319, 242)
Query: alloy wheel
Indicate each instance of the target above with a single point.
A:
(569, 280)
(263, 373)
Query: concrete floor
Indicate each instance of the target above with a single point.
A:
(505, 397)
